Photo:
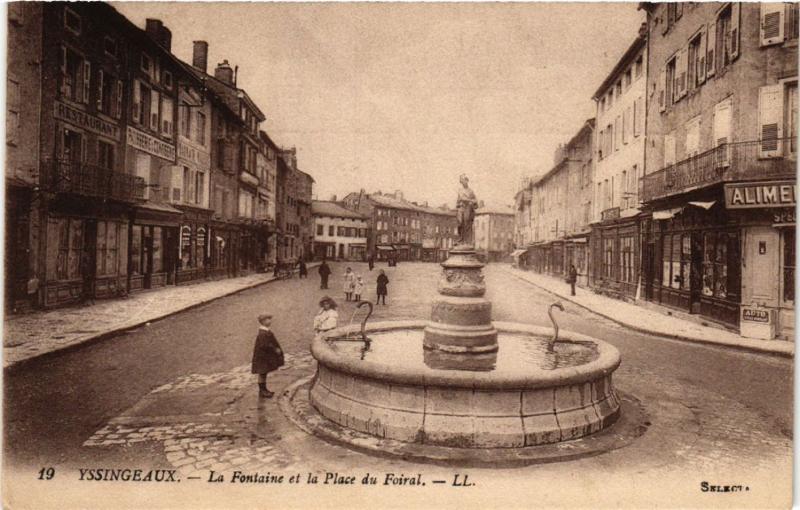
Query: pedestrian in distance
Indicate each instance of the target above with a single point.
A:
(349, 284)
(324, 272)
(383, 281)
(358, 289)
(371, 261)
(303, 270)
(573, 278)
(327, 318)
(267, 354)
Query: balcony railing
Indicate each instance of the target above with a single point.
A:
(63, 176)
(727, 162)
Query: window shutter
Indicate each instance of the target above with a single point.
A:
(722, 131)
(87, 76)
(118, 100)
(63, 83)
(669, 150)
(772, 24)
(636, 114)
(137, 101)
(770, 117)
(735, 10)
(99, 101)
(711, 54)
(662, 88)
(681, 71)
(702, 51)
(626, 124)
(154, 100)
(617, 133)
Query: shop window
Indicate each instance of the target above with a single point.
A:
(608, 258)
(158, 256)
(135, 264)
(788, 262)
(107, 246)
(200, 247)
(718, 257)
(67, 235)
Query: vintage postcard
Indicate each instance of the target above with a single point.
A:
(399, 255)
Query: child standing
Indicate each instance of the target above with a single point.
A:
(349, 284)
(267, 354)
(383, 281)
(359, 287)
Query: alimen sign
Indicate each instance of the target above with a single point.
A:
(748, 195)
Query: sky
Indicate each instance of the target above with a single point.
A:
(409, 96)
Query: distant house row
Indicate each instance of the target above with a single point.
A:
(681, 190)
(129, 169)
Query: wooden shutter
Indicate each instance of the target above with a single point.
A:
(99, 100)
(87, 78)
(722, 131)
(63, 80)
(681, 71)
(137, 101)
(702, 51)
(154, 100)
(734, 38)
(711, 54)
(669, 149)
(770, 120)
(118, 100)
(642, 115)
(772, 23)
(617, 133)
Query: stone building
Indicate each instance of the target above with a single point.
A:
(404, 230)
(339, 233)
(494, 233)
(294, 219)
(720, 163)
(560, 209)
(619, 164)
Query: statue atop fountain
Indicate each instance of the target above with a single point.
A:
(465, 205)
(461, 318)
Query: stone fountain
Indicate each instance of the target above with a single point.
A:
(461, 380)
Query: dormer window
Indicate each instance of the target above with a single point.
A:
(146, 63)
(72, 21)
(110, 46)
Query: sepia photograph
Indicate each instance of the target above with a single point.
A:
(399, 255)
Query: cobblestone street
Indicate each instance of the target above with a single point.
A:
(179, 395)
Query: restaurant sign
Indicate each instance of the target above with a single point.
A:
(150, 144)
(749, 195)
(84, 120)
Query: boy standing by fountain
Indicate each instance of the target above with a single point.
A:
(267, 354)
(383, 282)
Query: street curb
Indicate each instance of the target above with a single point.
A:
(114, 332)
(639, 329)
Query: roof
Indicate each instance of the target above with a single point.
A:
(632, 50)
(495, 210)
(230, 94)
(334, 210)
(394, 203)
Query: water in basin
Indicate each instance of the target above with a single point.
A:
(518, 354)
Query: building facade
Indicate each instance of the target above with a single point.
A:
(560, 209)
(494, 233)
(721, 161)
(127, 168)
(339, 233)
(619, 164)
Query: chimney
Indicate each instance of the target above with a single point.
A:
(224, 72)
(159, 33)
(398, 194)
(425, 203)
(333, 198)
(200, 55)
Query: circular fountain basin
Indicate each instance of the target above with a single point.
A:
(521, 395)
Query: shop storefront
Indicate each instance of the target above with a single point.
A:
(575, 249)
(153, 246)
(194, 247)
(616, 243)
(385, 252)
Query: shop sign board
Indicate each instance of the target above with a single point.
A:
(150, 144)
(749, 195)
(755, 315)
(84, 120)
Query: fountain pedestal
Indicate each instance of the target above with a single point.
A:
(461, 318)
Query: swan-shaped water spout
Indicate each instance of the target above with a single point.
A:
(553, 340)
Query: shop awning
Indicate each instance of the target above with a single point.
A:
(704, 205)
(152, 213)
(385, 248)
(517, 253)
(666, 214)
